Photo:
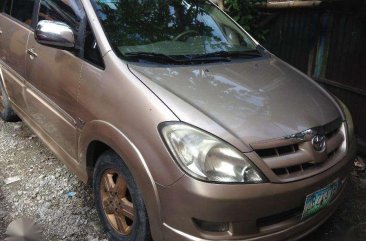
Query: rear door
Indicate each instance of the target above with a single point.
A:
(15, 27)
(53, 77)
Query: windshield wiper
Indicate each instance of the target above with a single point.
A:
(231, 54)
(218, 56)
(151, 56)
(186, 59)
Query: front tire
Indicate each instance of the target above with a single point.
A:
(118, 201)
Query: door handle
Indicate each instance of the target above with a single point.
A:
(32, 53)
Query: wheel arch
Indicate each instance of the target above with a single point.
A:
(94, 150)
(99, 136)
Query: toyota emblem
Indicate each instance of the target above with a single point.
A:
(319, 143)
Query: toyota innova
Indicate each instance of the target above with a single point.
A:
(187, 128)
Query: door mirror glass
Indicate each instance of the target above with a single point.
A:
(55, 34)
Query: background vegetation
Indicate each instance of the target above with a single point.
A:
(247, 14)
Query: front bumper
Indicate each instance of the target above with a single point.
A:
(267, 211)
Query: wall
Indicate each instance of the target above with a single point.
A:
(330, 46)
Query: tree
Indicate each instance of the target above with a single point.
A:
(246, 13)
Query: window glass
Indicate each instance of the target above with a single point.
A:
(20, 9)
(2, 5)
(7, 6)
(66, 11)
(91, 49)
(176, 28)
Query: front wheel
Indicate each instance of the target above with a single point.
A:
(118, 201)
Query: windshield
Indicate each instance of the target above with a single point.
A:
(170, 28)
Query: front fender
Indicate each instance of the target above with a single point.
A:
(111, 136)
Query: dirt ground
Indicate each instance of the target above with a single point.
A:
(44, 190)
(47, 191)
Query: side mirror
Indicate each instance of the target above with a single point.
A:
(54, 34)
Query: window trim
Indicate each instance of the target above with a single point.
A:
(87, 22)
(35, 14)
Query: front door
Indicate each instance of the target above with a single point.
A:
(15, 27)
(53, 76)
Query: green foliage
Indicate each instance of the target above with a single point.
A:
(246, 13)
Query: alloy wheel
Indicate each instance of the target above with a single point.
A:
(117, 202)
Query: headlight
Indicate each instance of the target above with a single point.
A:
(206, 157)
(349, 120)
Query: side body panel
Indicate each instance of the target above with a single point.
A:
(14, 39)
(117, 97)
(13, 44)
(122, 113)
(51, 93)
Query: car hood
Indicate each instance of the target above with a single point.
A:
(253, 100)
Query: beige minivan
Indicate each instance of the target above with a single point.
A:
(187, 128)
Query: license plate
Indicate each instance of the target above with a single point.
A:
(320, 199)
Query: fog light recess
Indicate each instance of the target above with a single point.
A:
(216, 227)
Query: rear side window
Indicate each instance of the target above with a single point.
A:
(69, 12)
(20, 9)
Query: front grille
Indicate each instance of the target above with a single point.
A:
(278, 151)
(308, 166)
(294, 158)
(293, 169)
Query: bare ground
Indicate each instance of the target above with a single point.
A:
(41, 193)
